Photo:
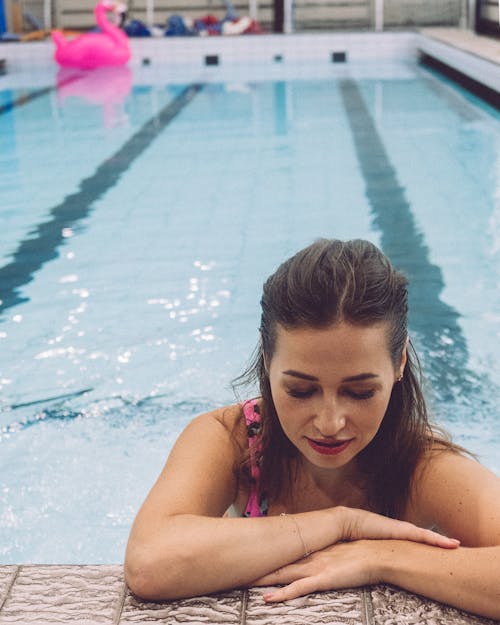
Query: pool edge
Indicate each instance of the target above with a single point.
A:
(97, 594)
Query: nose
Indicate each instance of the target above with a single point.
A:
(330, 418)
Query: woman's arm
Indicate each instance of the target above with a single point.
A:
(467, 578)
(457, 495)
(181, 546)
(460, 497)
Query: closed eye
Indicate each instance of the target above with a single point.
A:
(360, 395)
(300, 394)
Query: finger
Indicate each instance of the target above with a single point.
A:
(364, 524)
(402, 530)
(296, 589)
(436, 539)
(284, 575)
(271, 579)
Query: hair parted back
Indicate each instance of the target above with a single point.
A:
(332, 281)
(326, 283)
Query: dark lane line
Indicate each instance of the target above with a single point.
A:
(435, 321)
(34, 95)
(42, 243)
(35, 402)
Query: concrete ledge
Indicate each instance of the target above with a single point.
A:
(475, 56)
(89, 595)
(185, 51)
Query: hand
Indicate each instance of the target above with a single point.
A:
(344, 565)
(359, 524)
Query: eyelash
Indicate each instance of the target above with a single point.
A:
(306, 394)
(300, 394)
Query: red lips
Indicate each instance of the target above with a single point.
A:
(329, 448)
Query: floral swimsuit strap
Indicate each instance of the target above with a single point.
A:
(256, 504)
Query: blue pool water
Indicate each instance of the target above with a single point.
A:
(140, 215)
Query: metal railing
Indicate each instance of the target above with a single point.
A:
(285, 16)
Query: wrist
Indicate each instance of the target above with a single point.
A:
(383, 557)
(340, 523)
(321, 528)
(346, 522)
(380, 561)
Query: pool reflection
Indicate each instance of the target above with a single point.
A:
(107, 87)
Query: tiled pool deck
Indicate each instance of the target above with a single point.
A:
(476, 56)
(85, 595)
(484, 47)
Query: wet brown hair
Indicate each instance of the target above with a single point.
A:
(326, 283)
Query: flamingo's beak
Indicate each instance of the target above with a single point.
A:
(116, 7)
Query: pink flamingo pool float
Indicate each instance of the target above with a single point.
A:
(95, 49)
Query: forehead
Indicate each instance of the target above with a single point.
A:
(342, 346)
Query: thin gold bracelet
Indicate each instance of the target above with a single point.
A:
(306, 550)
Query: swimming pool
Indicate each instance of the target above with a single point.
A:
(140, 214)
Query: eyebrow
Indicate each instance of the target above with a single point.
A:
(353, 378)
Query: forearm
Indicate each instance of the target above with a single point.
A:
(189, 555)
(467, 578)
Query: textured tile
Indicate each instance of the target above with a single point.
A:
(218, 608)
(392, 606)
(64, 594)
(334, 607)
(7, 575)
(86, 595)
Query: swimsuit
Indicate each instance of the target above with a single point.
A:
(257, 503)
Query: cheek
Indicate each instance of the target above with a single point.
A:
(291, 413)
(374, 415)
(288, 412)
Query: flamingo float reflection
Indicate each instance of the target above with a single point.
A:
(107, 87)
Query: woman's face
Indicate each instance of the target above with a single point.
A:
(331, 388)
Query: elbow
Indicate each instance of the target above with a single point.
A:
(141, 580)
(153, 579)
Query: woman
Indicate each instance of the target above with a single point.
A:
(334, 470)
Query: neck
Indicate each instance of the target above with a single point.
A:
(341, 486)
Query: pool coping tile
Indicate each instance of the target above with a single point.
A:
(225, 607)
(342, 607)
(8, 576)
(93, 594)
(393, 606)
(53, 594)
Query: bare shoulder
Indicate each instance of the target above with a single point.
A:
(200, 474)
(457, 495)
(225, 427)
(231, 419)
(218, 435)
